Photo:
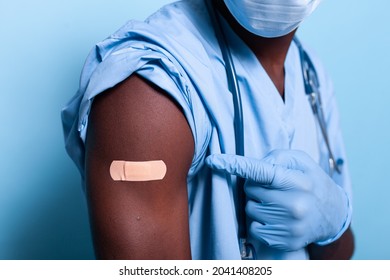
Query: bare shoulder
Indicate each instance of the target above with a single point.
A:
(136, 121)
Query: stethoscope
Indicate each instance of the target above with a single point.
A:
(311, 84)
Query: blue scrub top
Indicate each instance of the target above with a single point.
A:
(177, 50)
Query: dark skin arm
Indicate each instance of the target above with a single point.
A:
(135, 121)
(341, 249)
(271, 52)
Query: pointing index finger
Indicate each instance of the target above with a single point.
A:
(248, 168)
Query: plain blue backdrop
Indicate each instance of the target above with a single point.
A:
(43, 45)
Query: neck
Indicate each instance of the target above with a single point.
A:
(271, 52)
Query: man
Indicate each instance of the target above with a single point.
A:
(159, 91)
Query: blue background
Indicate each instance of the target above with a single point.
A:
(43, 45)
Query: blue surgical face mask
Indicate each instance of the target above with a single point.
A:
(271, 18)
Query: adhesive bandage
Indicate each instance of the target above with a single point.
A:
(137, 171)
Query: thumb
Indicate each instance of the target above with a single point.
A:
(248, 168)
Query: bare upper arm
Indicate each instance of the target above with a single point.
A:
(135, 121)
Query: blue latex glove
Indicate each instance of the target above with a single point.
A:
(292, 202)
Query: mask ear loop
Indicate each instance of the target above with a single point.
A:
(246, 250)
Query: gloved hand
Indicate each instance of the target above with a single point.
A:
(291, 200)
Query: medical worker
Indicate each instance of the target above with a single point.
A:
(154, 134)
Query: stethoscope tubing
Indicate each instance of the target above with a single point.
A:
(311, 84)
(238, 124)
